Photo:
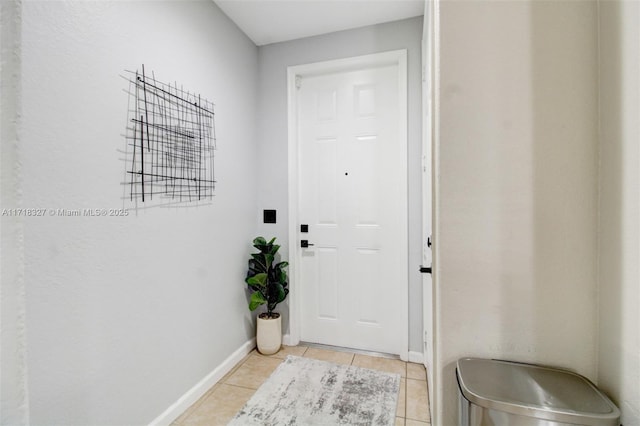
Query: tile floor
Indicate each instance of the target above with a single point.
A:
(225, 398)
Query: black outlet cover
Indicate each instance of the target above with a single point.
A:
(269, 216)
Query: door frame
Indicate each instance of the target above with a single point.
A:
(294, 75)
(428, 214)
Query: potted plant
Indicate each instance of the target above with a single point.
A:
(267, 280)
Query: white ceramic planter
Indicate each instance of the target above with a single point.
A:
(269, 336)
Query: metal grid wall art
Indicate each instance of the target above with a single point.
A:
(170, 140)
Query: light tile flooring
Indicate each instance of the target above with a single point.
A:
(225, 398)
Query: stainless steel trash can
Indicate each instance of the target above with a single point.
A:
(501, 393)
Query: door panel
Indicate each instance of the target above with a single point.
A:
(326, 283)
(352, 193)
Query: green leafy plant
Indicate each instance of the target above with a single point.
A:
(266, 279)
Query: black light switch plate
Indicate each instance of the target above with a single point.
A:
(269, 216)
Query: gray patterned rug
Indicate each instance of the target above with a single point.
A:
(305, 391)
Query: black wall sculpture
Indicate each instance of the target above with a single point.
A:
(170, 142)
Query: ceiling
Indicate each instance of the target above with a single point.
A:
(273, 21)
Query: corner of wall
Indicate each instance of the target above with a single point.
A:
(618, 235)
(13, 388)
(598, 192)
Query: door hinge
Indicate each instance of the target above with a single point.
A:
(298, 81)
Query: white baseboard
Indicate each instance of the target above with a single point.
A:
(193, 394)
(416, 357)
(287, 341)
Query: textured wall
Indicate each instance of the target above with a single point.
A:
(619, 232)
(125, 314)
(13, 380)
(273, 136)
(516, 187)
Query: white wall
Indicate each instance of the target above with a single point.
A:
(619, 251)
(516, 189)
(272, 130)
(124, 315)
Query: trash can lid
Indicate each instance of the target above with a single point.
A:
(535, 391)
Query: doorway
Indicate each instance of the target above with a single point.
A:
(348, 203)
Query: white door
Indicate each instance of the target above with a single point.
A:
(353, 197)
